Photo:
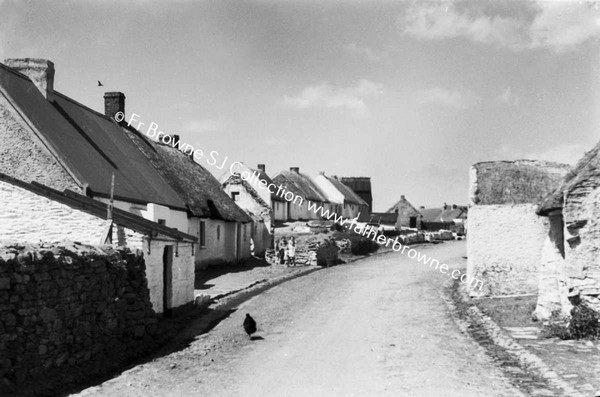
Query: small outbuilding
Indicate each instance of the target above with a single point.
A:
(506, 236)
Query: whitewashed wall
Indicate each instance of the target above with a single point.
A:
(504, 248)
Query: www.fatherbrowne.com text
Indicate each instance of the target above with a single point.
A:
(254, 180)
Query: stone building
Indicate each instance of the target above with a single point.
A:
(506, 236)
(34, 213)
(408, 215)
(52, 139)
(361, 185)
(570, 264)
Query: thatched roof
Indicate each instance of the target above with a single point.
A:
(587, 168)
(300, 185)
(515, 182)
(200, 190)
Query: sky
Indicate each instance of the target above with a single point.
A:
(408, 93)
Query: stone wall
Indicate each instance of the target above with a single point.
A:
(62, 307)
(581, 214)
(504, 248)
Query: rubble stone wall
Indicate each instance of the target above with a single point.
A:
(62, 307)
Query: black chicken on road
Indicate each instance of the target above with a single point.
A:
(249, 325)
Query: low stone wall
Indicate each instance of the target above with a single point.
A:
(66, 305)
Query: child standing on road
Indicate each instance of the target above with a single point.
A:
(281, 248)
(291, 252)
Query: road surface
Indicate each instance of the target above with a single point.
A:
(376, 327)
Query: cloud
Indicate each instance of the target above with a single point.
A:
(459, 100)
(328, 96)
(508, 97)
(559, 26)
(201, 126)
(363, 51)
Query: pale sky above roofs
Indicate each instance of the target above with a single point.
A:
(409, 93)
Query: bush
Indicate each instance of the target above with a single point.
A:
(584, 322)
(362, 246)
(327, 253)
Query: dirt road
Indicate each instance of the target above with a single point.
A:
(376, 327)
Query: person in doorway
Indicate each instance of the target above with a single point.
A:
(281, 247)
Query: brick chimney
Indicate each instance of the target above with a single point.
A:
(113, 102)
(295, 169)
(261, 168)
(40, 71)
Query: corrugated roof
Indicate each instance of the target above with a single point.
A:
(98, 209)
(89, 144)
(588, 167)
(201, 191)
(349, 195)
(443, 215)
(300, 185)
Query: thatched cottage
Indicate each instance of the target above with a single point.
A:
(50, 138)
(248, 187)
(570, 264)
(343, 201)
(33, 213)
(303, 192)
(506, 236)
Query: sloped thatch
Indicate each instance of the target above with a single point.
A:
(587, 168)
(236, 179)
(516, 182)
(200, 190)
(300, 185)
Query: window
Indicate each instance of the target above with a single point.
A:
(162, 222)
(218, 232)
(202, 234)
(234, 195)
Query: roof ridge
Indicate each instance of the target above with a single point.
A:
(89, 109)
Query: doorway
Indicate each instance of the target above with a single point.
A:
(168, 281)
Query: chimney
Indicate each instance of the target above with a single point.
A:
(322, 173)
(402, 197)
(445, 206)
(454, 206)
(113, 102)
(295, 169)
(422, 207)
(175, 138)
(40, 71)
(261, 167)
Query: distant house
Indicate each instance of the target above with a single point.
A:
(407, 214)
(343, 201)
(52, 139)
(506, 236)
(255, 200)
(304, 193)
(570, 262)
(34, 213)
(362, 187)
(448, 217)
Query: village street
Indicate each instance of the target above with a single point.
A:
(374, 327)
